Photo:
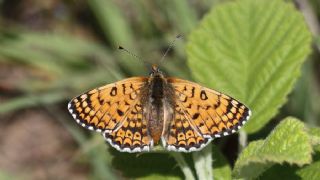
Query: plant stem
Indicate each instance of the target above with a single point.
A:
(203, 163)
(243, 140)
(183, 165)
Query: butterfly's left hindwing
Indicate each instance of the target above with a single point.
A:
(132, 135)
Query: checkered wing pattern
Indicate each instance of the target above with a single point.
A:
(202, 114)
(115, 110)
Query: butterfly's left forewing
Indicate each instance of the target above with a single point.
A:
(204, 114)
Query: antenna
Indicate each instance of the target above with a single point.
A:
(169, 48)
(133, 55)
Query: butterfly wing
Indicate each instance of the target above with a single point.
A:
(115, 110)
(182, 134)
(203, 114)
(131, 135)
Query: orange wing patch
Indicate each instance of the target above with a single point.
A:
(113, 110)
(208, 112)
(183, 135)
(131, 135)
(103, 108)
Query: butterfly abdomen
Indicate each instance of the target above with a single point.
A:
(156, 115)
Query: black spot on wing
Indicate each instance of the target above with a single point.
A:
(113, 91)
(120, 113)
(195, 116)
(203, 95)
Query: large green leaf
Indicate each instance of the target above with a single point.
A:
(288, 142)
(253, 51)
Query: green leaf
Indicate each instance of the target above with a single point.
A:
(288, 142)
(310, 172)
(285, 171)
(253, 51)
(314, 134)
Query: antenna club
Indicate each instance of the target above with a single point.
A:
(133, 55)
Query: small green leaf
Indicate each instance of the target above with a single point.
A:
(314, 134)
(310, 172)
(253, 51)
(288, 142)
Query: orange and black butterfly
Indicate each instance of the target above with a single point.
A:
(136, 113)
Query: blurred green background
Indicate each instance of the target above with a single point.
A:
(53, 50)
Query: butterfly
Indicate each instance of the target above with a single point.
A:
(137, 113)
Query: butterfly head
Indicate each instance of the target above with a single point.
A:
(155, 71)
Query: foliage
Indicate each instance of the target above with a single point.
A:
(252, 50)
(288, 142)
